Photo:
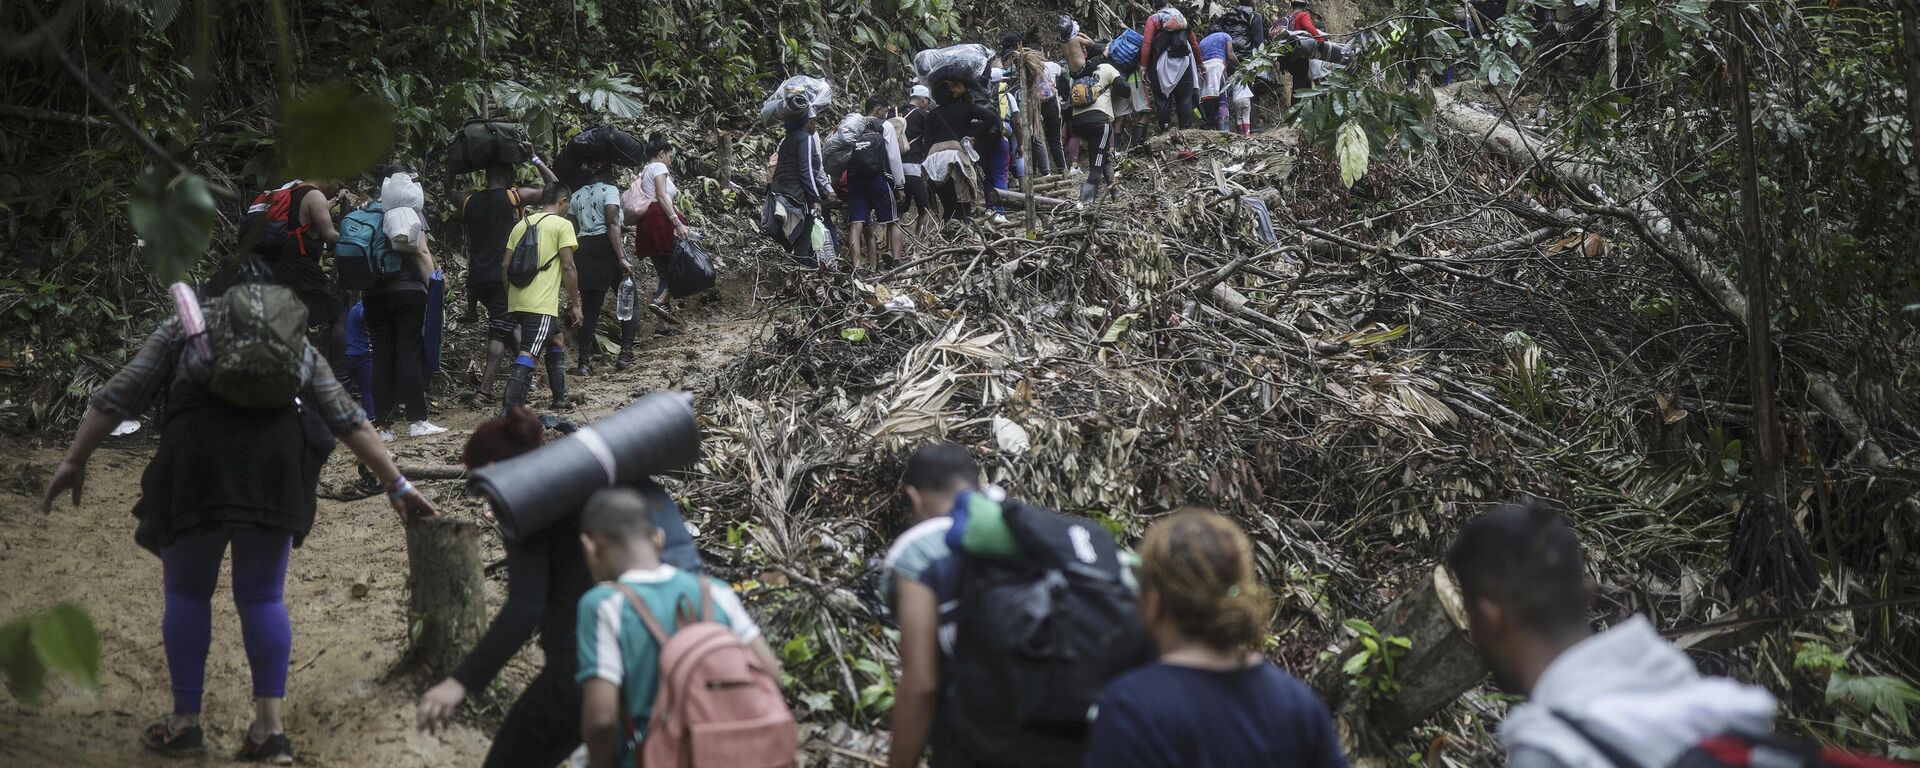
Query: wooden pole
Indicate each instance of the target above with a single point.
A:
(1031, 95)
(446, 597)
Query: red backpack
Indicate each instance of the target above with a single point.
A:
(1740, 750)
(269, 220)
(716, 708)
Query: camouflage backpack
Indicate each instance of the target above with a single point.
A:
(258, 341)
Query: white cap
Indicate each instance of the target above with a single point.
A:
(922, 92)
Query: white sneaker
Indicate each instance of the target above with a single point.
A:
(1000, 218)
(424, 428)
(385, 436)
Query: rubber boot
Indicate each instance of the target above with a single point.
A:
(557, 377)
(518, 383)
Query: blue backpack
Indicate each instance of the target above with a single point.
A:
(363, 257)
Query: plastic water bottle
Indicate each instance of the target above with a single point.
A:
(628, 297)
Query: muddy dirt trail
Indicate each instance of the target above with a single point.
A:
(344, 708)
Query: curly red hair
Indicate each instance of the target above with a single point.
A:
(508, 435)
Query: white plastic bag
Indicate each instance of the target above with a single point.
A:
(966, 62)
(402, 198)
(810, 91)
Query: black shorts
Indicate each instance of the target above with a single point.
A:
(493, 296)
(918, 196)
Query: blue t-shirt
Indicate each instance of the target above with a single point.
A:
(1215, 46)
(1162, 715)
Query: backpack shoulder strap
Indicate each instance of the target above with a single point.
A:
(646, 614)
(1607, 749)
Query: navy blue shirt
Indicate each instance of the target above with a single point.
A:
(1161, 715)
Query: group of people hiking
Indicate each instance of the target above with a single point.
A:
(1026, 637)
(962, 135)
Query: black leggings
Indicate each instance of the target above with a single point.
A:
(1050, 122)
(950, 201)
(591, 301)
(394, 323)
(1180, 102)
(1097, 135)
(543, 725)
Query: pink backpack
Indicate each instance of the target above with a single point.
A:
(716, 707)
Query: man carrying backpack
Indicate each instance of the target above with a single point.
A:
(874, 177)
(490, 214)
(537, 261)
(647, 616)
(1092, 94)
(986, 677)
(392, 284)
(919, 195)
(1169, 62)
(1590, 696)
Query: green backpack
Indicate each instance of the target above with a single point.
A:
(259, 343)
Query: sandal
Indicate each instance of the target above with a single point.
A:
(190, 740)
(275, 750)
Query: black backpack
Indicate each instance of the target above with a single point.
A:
(524, 265)
(1239, 24)
(1037, 638)
(869, 153)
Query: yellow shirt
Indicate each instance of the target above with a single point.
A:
(542, 296)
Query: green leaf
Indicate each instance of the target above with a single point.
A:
(871, 668)
(65, 641)
(1118, 328)
(26, 677)
(799, 650)
(333, 133)
(855, 335)
(1401, 642)
(174, 215)
(818, 701)
(1356, 663)
(872, 694)
(1351, 147)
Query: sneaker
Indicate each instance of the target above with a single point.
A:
(661, 311)
(479, 401)
(276, 750)
(1000, 218)
(624, 360)
(581, 370)
(560, 404)
(386, 436)
(424, 428)
(186, 741)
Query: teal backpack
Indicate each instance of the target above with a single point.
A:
(363, 257)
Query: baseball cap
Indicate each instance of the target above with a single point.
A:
(922, 92)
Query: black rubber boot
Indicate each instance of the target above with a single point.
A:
(518, 383)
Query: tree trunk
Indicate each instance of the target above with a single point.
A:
(1610, 25)
(1441, 665)
(446, 600)
(1768, 554)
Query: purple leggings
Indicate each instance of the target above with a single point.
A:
(191, 565)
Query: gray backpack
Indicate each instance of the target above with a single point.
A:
(258, 343)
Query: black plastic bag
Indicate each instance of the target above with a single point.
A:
(689, 269)
(600, 144)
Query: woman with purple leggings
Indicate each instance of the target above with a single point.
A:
(226, 477)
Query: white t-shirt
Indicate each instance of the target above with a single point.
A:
(643, 187)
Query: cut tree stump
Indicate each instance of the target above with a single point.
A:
(1441, 665)
(446, 596)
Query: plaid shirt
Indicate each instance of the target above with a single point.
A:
(157, 365)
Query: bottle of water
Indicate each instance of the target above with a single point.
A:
(623, 306)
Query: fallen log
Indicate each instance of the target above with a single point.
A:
(434, 471)
(446, 598)
(1439, 666)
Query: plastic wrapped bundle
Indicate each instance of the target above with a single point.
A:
(838, 148)
(656, 434)
(402, 198)
(966, 62)
(793, 97)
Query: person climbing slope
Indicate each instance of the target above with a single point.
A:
(546, 576)
(919, 196)
(953, 129)
(620, 651)
(490, 215)
(1211, 701)
(1169, 62)
(237, 468)
(534, 305)
(603, 263)
(1092, 95)
(875, 176)
(1217, 60)
(656, 219)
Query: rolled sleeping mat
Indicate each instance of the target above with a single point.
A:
(656, 434)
